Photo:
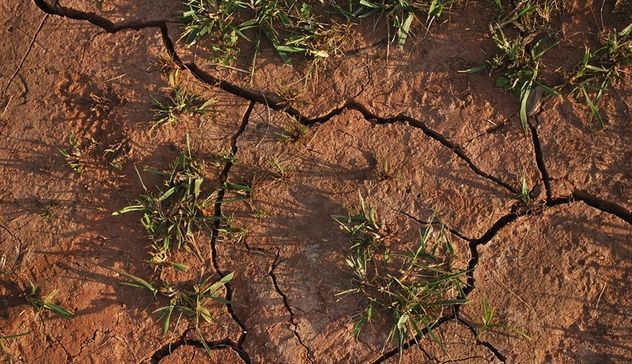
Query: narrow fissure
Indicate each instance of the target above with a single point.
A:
(291, 321)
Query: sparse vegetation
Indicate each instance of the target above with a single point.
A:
(599, 69)
(517, 64)
(301, 151)
(488, 323)
(413, 286)
(194, 302)
(171, 216)
(308, 28)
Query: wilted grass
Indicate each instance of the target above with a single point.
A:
(413, 287)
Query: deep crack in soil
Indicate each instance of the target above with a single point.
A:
(291, 320)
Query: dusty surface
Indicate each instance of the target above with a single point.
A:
(453, 141)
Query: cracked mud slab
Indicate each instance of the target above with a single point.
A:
(562, 277)
(453, 143)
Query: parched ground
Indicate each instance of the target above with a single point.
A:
(558, 268)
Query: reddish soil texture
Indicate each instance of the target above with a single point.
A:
(557, 267)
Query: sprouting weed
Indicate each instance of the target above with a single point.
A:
(179, 103)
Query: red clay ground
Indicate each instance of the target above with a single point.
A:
(558, 268)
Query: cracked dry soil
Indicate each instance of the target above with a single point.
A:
(558, 268)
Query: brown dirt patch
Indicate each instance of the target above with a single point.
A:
(557, 267)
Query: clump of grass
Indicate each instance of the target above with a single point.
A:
(290, 27)
(292, 131)
(180, 102)
(400, 13)
(413, 286)
(172, 214)
(600, 68)
(217, 20)
(194, 302)
(76, 153)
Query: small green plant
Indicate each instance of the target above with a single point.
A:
(179, 102)
(194, 303)
(40, 303)
(75, 154)
(413, 286)
(384, 171)
(280, 169)
(292, 131)
(488, 323)
(525, 191)
(174, 213)
(600, 68)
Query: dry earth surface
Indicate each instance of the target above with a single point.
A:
(558, 267)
